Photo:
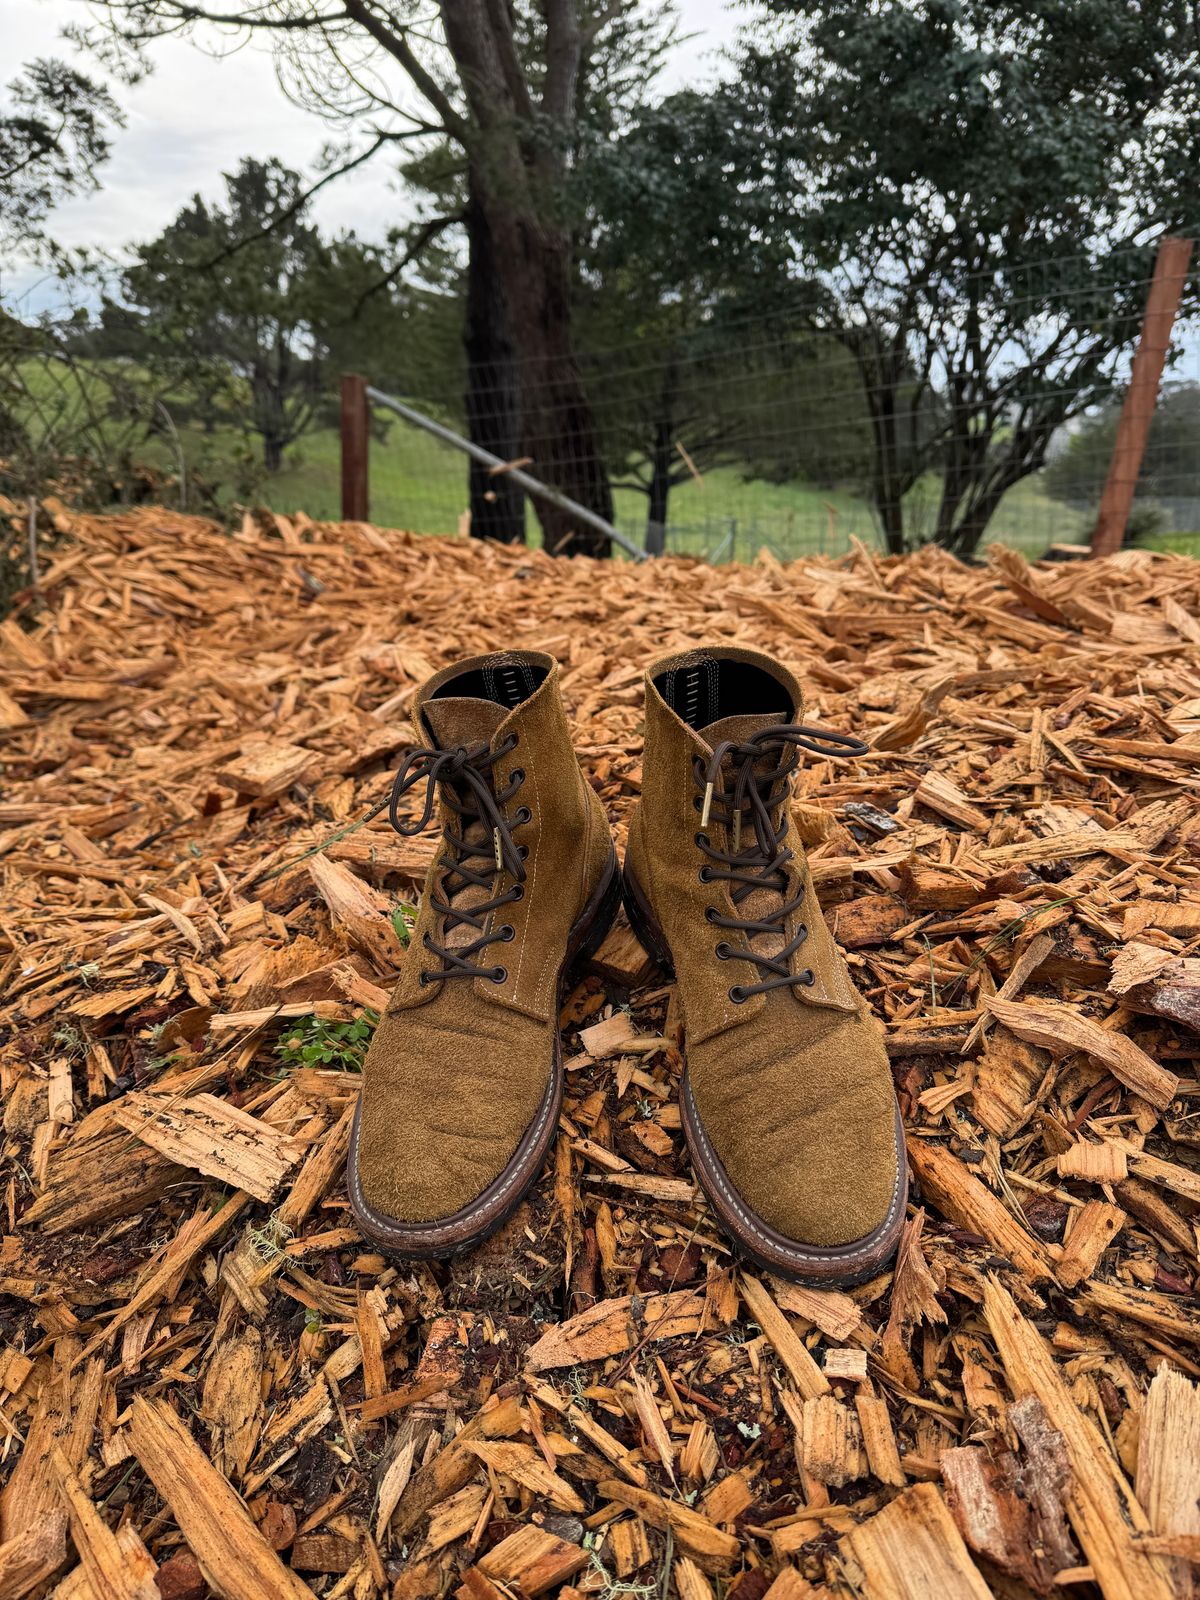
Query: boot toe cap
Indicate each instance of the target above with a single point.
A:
(809, 1147)
(442, 1118)
(842, 1197)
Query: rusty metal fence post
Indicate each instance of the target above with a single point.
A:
(1162, 303)
(355, 435)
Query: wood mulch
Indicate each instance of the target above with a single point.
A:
(210, 1381)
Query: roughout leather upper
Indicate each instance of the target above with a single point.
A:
(793, 1087)
(457, 1069)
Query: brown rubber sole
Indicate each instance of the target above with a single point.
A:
(824, 1267)
(462, 1231)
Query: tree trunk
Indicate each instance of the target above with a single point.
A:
(267, 414)
(662, 458)
(971, 529)
(880, 382)
(968, 447)
(558, 429)
(954, 486)
(660, 490)
(887, 491)
(890, 508)
(517, 144)
(982, 486)
(980, 506)
(493, 421)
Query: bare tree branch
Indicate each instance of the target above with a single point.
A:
(296, 206)
(394, 42)
(425, 237)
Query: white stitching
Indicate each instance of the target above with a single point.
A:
(379, 1219)
(746, 1218)
(515, 992)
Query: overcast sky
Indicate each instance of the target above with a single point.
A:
(195, 116)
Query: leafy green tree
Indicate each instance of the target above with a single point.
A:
(975, 186)
(703, 346)
(55, 133)
(659, 289)
(241, 303)
(1076, 473)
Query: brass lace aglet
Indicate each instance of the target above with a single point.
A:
(707, 807)
(499, 852)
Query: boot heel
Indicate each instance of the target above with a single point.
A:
(641, 920)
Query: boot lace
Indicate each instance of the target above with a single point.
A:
(461, 775)
(757, 792)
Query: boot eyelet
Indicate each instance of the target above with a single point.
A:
(724, 950)
(738, 995)
(711, 913)
(802, 931)
(698, 838)
(426, 941)
(518, 891)
(523, 816)
(523, 851)
(424, 978)
(808, 977)
(499, 974)
(705, 874)
(517, 775)
(506, 933)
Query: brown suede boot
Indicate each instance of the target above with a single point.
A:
(787, 1102)
(463, 1081)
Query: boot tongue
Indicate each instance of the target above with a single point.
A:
(462, 720)
(453, 721)
(759, 904)
(738, 729)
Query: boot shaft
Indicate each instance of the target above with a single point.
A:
(511, 704)
(696, 705)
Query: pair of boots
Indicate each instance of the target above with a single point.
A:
(787, 1102)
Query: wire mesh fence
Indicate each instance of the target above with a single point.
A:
(976, 410)
(895, 412)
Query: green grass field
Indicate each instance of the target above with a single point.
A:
(421, 484)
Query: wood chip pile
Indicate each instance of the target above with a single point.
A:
(210, 1383)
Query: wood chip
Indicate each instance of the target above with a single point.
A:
(1092, 1229)
(233, 1555)
(912, 1549)
(712, 1549)
(1062, 1029)
(533, 1560)
(1168, 1453)
(196, 724)
(212, 1137)
(610, 1327)
(804, 1372)
(1104, 1513)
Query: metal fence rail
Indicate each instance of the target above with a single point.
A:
(516, 475)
